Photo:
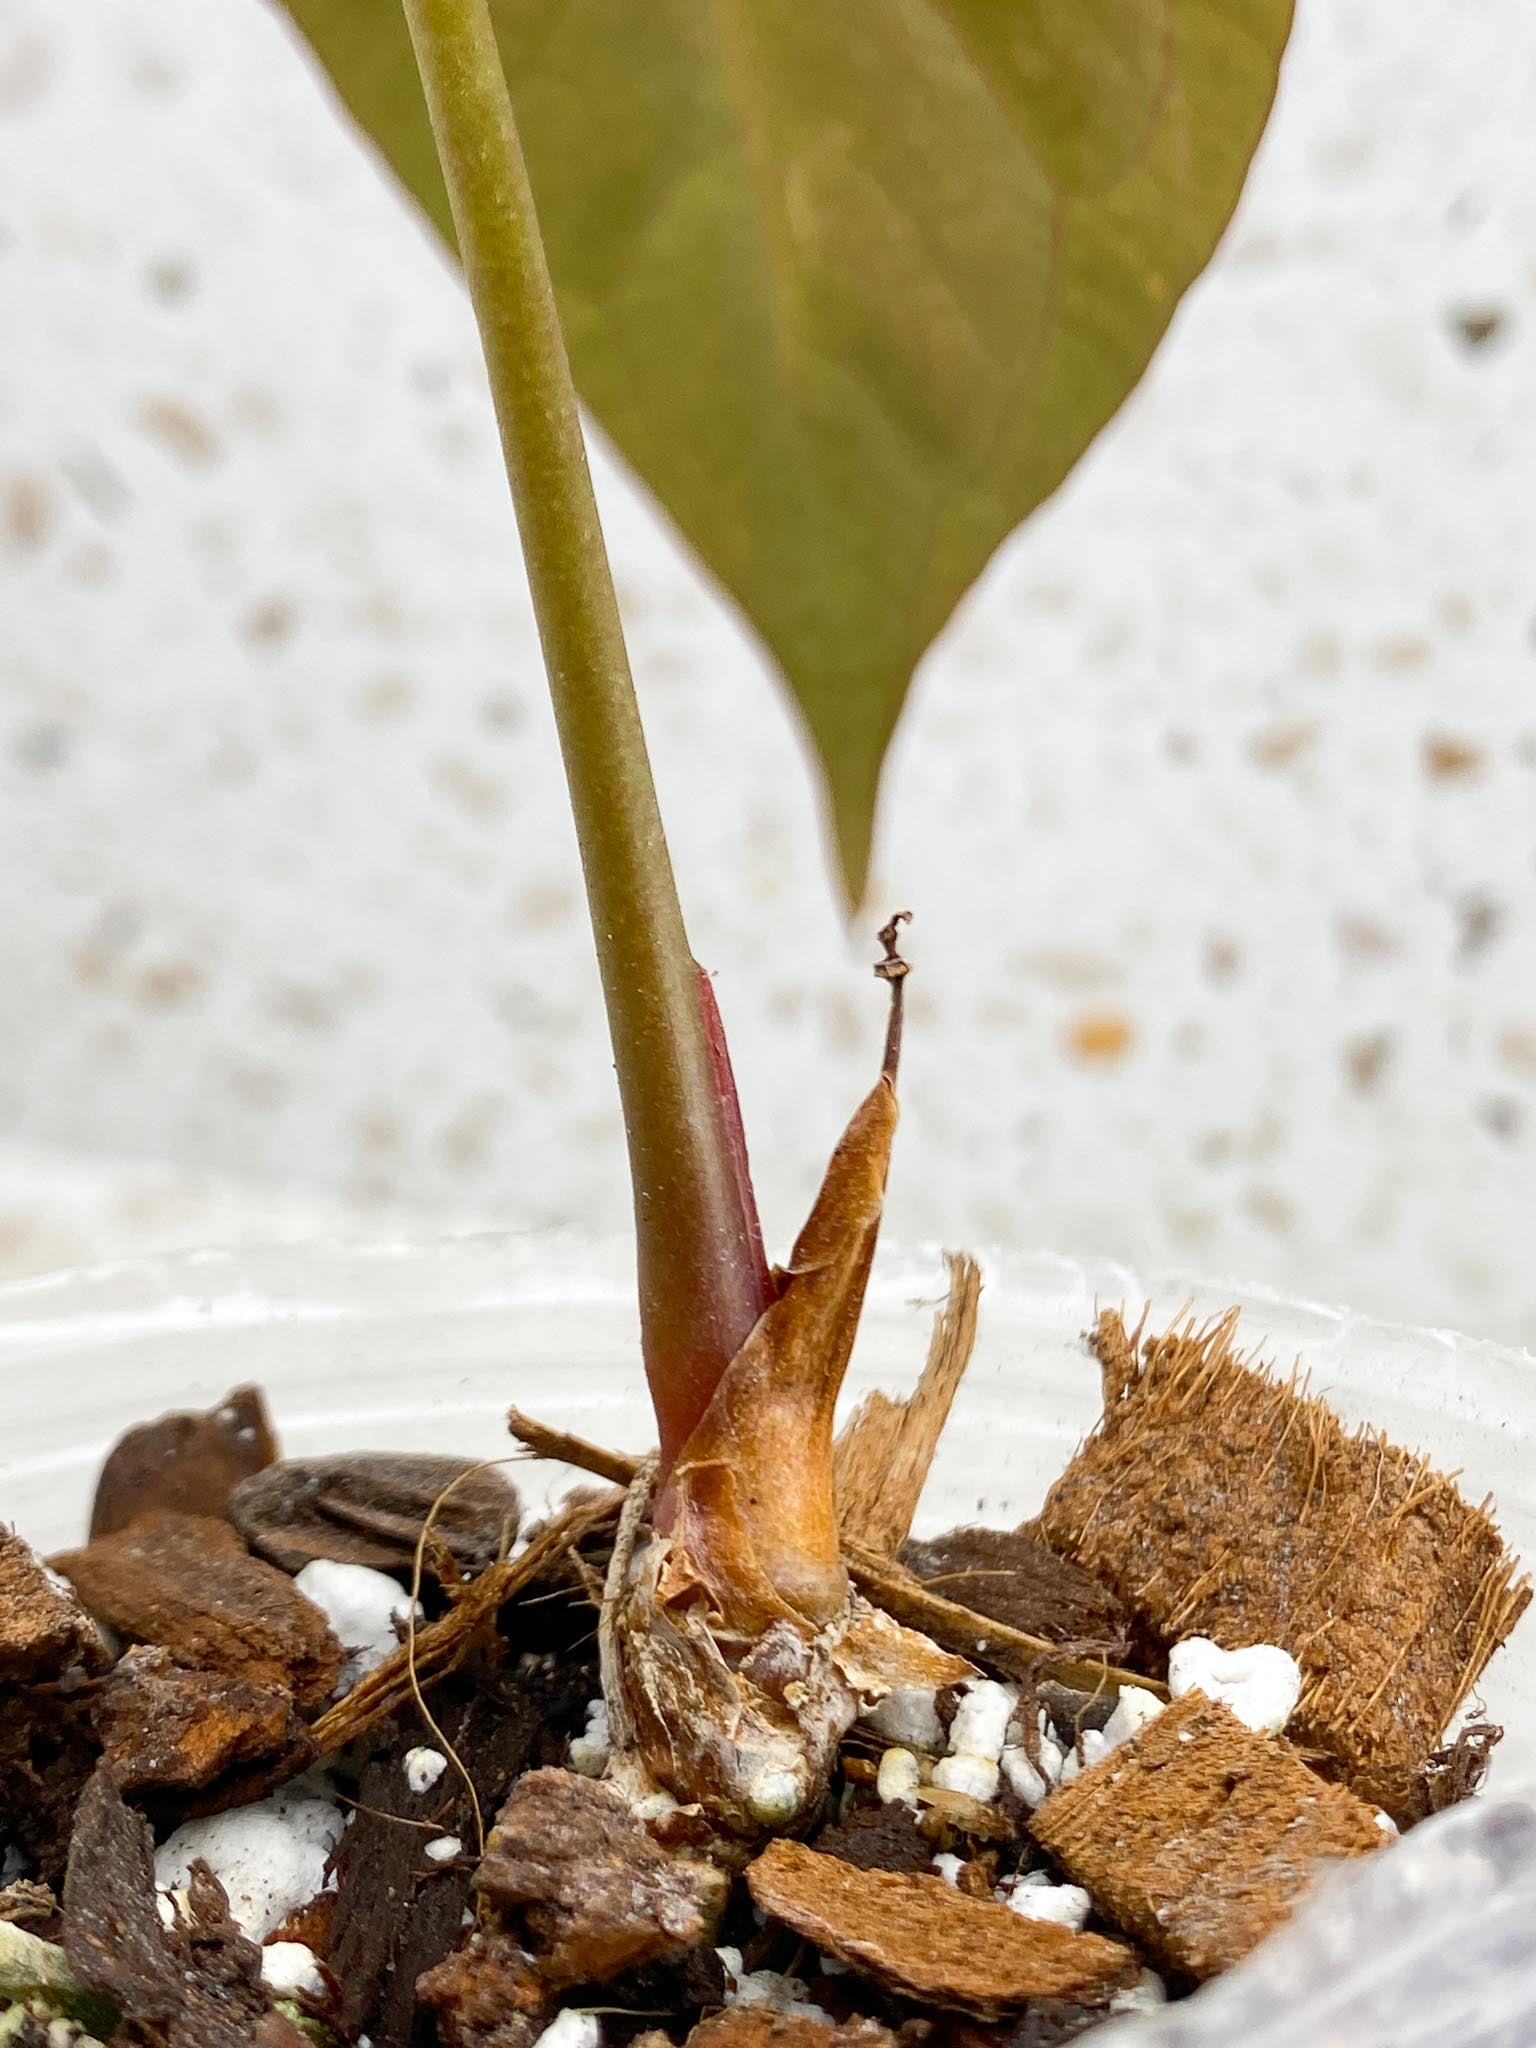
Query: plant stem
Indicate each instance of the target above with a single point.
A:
(702, 1282)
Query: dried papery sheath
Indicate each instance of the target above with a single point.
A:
(753, 1520)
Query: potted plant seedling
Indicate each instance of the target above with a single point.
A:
(721, 1754)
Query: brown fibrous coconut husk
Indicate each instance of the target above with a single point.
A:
(1199, 1835)
(1219, 1500)
(923, 1939)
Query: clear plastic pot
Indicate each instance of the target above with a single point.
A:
(424, 1345)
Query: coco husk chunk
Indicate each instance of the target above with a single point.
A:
(1218, 1500)
(1199, 1835)
(923, 1939)
(762, 2026)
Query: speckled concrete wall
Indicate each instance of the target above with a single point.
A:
(1217, 803)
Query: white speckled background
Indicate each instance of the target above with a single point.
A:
(1217, 802)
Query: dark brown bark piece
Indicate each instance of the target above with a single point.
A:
(398, 1914)
(592, 1890)
(113, 1934)
(1218, 1501)
(370, 1509)
(487, 1995)
(681, 1986)
(1199, 1836)
(188, 1583)
(760, 2026)
(184, 1463)
(1072, 1711)
(197, 1984)
(1013, 1576)
(48, 1751)
(225, 2003)
(44, 1631)
(879, 1838)
(1046, 2023)
(32, 1907)
(166, 1729)
(923, 1940)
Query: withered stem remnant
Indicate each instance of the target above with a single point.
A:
(893, 970)
(560, 1447)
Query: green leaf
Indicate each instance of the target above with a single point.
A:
(852, 286)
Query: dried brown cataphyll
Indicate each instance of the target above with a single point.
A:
(724, 1755)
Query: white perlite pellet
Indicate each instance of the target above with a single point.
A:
(978, 1735)
(1030, 1781)
(1036, 1897)
(289, 1967)
(949, 1867)
(572, 2029)
(423, 1768)
(898, 1777)
(591, 1749)
(1089, 1749)
(775, 1795)
(1145, 1995)
(770, 1988)
(362, 1607)
(976, 1776)
(444, 1849)
(982, 1715)
(270, 1857)
(908, 1715)
(1260, 1684)
(1024, 1780)
(1133, 1710)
